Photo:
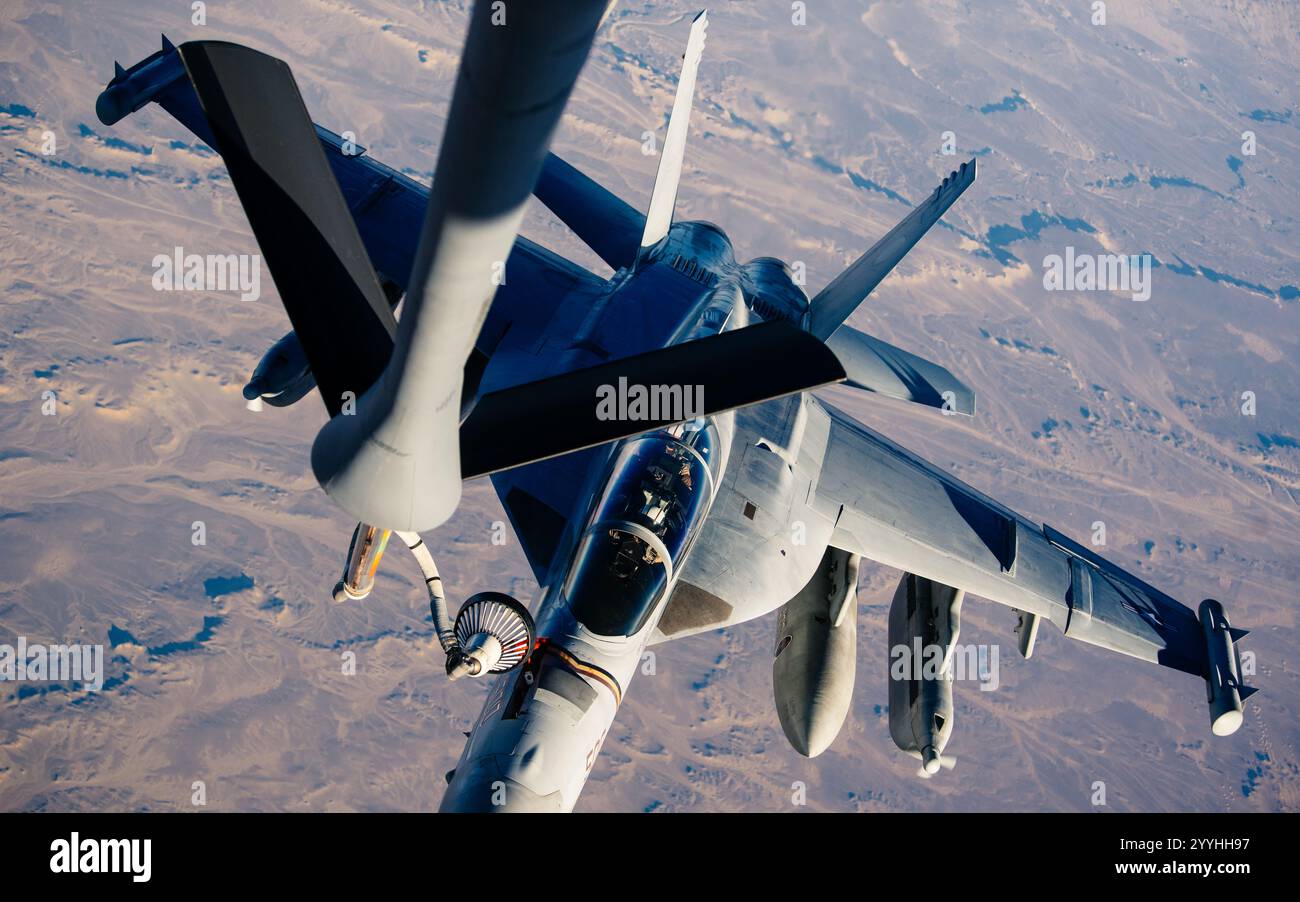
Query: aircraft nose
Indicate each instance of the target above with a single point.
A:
(482, 787)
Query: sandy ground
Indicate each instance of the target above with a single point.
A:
(807, 143)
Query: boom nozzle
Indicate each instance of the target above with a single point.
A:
(930, 760)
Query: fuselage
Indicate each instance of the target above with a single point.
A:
(647, 513)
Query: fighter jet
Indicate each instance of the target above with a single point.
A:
(652, 436)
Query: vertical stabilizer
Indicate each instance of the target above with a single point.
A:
(660, 215)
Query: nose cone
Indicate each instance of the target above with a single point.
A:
(812, 730)
(482, 788)
(111, 105)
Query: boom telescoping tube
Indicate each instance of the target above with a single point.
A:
(368, 544)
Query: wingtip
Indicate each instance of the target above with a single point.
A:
(965, 173)
(700, 23)
(166, 44)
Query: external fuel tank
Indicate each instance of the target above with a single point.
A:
(924, 622)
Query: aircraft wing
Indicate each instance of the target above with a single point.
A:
(897, 509)
(543, 422)
(388, 206)
(605, 222)
(539, 500)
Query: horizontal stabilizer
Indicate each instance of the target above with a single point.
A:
(604, 221)
(1247, 691)
(537, 420)
(878, 366)
(837, 301)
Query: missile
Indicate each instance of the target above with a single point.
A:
(816, 652)
(282, 376)
(130, 89)
(924, 622)
(1225, 691)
